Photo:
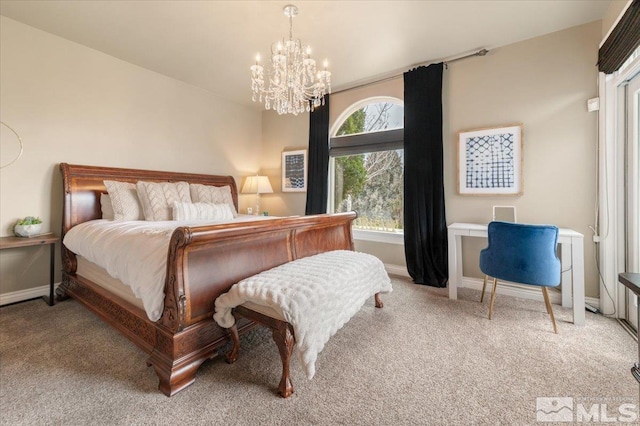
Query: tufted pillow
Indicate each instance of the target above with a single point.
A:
(106, 207)
(201, 211)
(213, 195)
(157, 198)
(124, 199)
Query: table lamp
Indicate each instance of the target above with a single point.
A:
(257, 185)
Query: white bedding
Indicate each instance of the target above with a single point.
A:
(134, 252)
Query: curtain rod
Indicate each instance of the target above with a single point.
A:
(396, 74)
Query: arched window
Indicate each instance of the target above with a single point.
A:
(367, 164)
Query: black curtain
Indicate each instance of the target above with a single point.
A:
(318, 162)
(425, 228)
(623, 40)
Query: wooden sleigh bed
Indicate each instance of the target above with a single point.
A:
(202, 263)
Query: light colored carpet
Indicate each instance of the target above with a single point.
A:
(422, 359)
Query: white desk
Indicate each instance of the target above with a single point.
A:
(571, 256)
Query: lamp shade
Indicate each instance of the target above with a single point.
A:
(257, 185)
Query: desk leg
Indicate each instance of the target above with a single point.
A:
(567, 284)
(577, 262)
(455, 264)
(635, 370)
(50, 299)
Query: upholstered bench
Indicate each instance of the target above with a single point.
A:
(304, 302)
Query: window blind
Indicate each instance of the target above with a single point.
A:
(385, 140)
(623, 40)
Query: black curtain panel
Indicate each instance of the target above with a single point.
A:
(318, 162)
(425, 228)
(623, 40)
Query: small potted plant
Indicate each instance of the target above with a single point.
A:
(28, 227)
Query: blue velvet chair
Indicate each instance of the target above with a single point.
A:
(524, 254)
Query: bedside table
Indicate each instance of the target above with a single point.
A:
(46, 239)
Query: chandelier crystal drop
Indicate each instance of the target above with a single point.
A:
(295, 86)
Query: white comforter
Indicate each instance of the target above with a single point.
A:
(134, 252)
(312, 295)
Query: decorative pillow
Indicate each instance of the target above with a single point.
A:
(201, 211)
(124, 199)
(157, 198)
(213, 195)
(106, 207)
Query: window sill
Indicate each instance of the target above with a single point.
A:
(378, 236)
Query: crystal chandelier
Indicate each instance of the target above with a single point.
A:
(294, 84)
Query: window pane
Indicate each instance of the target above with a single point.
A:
(371, 184)
(373, 118)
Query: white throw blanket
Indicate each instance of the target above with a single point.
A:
(317, 295)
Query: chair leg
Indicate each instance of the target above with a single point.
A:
(545, 294)
(484, 286)
(493, 296)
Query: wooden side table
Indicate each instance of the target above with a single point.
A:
(50, 239)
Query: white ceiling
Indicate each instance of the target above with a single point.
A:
(211, 44)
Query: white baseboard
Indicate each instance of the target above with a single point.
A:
(514, 290)
(510, 289)
(22, 295)
(396, 270)
(524, 291)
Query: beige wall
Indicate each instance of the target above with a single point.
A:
(73, 104)
(282, 133)
(543, 83)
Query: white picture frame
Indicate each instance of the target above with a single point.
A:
(490, 161)
(505, 214)
(294, 171)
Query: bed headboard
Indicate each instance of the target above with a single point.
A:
(82, 186)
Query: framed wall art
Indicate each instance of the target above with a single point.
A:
(490, 161)
(294, 171)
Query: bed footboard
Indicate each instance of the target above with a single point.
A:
(205, 262)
